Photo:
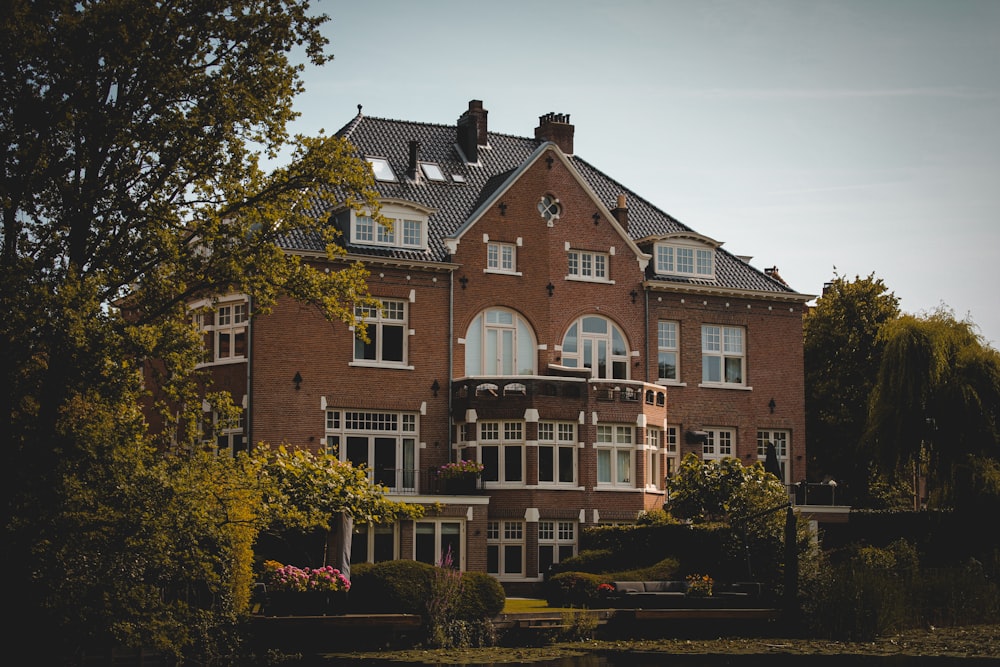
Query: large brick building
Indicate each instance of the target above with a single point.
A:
(538, 317)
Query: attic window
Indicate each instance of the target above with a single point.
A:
(381, 169)
(681, 258)
(432, 171)
(458, 178)
(549, 208)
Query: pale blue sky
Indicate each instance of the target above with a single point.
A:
(857, 134)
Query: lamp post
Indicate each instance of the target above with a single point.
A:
(833, 491)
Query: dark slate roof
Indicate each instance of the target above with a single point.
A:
(454, 202)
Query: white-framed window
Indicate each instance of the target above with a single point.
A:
(374, 543)
(436, 541)
(557, 453)
(224, 328)
(718, 443)
(387, 334)
(550, 209)
(432, 171)
(596, 343)
(505, 548)
(723, 355)
(385, 443)
(586, 265)
(406, 228)
(685, 259)
(500, 342)
(671, 445)
(780, 439)
(556, 543)
(501, 451)
(667, 350)
(615, 443)
(654, 458)
(501, 257)
(229, 435)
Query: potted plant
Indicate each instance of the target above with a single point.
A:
(303, 591)
(460, 476)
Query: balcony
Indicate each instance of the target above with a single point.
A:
(411, 482)
(576, 390)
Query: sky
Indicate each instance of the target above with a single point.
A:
(821, 137)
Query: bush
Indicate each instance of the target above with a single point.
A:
(395, 586)
(482, 597)
(665, 570)
(594, 561)
(573, 589)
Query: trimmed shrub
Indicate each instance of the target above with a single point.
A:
(482, 597)
(395, 586)
(665, 570)
(573, 589)
(590, 560)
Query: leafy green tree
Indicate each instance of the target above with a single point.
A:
(842, 353)
(130, 138)
(936, 401)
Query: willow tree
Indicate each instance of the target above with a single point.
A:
(936, 399)
(131, 139)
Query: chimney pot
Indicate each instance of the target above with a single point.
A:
(621, 211)
(555, 127)
(472, 130)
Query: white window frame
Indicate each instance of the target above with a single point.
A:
(559, 536)
(654, 458)
(499, 340)
(588, 266)
(671, 446)
(559, 440)
(667, 347)
(581, 338)
(380, 429)
(367, 532)
(782, 440)
(506, 537)
(407, 228)
(615, 447)
(679, 258)
(504, 436)
(723, 354)
(439, 548)
(720, 443)
(225, 321)
(501, 257)
(392, 313)
(227, 439)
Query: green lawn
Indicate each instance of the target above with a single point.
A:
(528, 605)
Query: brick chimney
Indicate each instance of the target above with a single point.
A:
(620, 212)
(555, 127)
(411, 167)
(472, 130)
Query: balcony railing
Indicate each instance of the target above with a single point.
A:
(819, 493)
(409, 482)
(534, 387)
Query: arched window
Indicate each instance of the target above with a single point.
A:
(596, 343)
(500, 342)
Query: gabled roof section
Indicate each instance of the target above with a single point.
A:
(511, 177)
(468, 188)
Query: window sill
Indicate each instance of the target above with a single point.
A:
(498, 272)
(553, 486)
(222, 362)
(375, 364)
(671, 383)
(583, 279)
(724, 385)
(620, 489)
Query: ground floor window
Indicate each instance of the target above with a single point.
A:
(383, 442)
(780, 440)
(718, 443)
(505, 548)
(436, 542)
(374, 543)
(556, 543)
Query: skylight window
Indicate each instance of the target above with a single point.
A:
(432, 171)
(381, 168)
(458, 178)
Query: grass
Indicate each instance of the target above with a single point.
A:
(529, 605)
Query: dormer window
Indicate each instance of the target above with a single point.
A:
(381, 169)
(685, 257)
(408, 229)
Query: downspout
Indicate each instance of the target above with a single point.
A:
(451, 355)
(645, 301)
(249, 412)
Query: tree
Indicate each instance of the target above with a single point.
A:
(842, 352)
(130, 139)
(936, 399)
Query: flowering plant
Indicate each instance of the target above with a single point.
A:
(699, 585)
(280, 577)
(605, 589)
(459, 469)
